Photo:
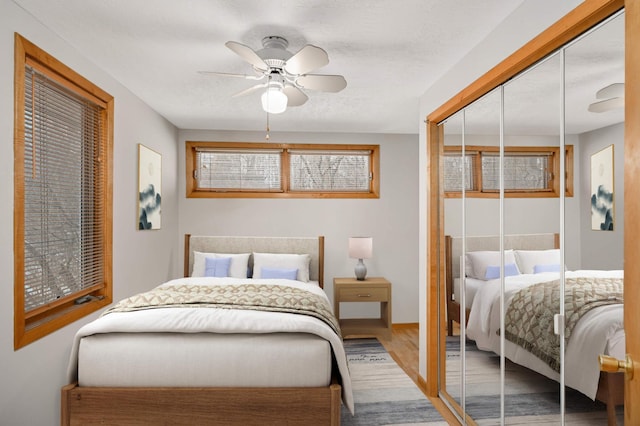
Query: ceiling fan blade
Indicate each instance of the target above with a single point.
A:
(608, 105)
(323, 83)
(306, 60)
(296, 97)
(250, 90)
(248, 54)
(226, 74)
(615, 90)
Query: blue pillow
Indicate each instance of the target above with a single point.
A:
(493, 272)
(287, 274)
(216, 266)
(554, 267)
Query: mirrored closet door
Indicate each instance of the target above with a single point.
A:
(510, 219)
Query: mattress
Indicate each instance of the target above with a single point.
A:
(204, 359)
(175, 344)
(472, 286)
(599, 331)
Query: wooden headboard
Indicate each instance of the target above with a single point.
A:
(314, 246)
(453, 251)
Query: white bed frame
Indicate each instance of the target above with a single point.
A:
(610, 386)
(213, 406)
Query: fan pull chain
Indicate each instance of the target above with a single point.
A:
(267, 137)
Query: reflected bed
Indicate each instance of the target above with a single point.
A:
(598, 330)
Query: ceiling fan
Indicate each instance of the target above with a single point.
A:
(285, 74)
(613, 98)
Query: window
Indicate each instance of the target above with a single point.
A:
(63, 201)
(528, 171)
(226, 169)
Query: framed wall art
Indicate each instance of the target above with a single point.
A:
(602, 197)
(149, 188)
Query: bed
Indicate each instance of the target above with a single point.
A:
(192, 356)
(453, 248)
(534, 260)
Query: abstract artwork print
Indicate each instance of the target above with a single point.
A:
(149, 188)
(602, 202)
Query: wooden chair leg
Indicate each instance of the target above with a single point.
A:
(611, 414)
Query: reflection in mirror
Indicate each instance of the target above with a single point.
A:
(467, 212)
(559, 117)
(532, 126)
(452, 371)
(594, 91)
(593, 63)
(482, 217)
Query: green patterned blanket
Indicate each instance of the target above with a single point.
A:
(529, 317)
(261, 297)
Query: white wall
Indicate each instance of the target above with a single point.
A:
(31, 377)
(530, 19)
(602, 249)
(392, 220)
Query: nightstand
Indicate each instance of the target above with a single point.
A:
(374, 289)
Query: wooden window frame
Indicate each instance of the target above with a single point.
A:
(192, 191)
(50, 317)
(553, 192)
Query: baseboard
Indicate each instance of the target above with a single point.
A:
(422, 384)
(404, 325)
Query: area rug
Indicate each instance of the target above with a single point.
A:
(530, 398)
(383, 393)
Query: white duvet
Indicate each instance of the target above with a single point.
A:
(600, 331)
(186, 320)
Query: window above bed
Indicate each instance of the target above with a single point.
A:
(228, 169)
(529, 172)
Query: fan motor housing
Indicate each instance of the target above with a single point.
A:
(274, 52)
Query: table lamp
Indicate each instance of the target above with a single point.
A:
(360, 248)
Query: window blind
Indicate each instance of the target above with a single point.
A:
(228, 169)
(338, 171)
(454, 165)
(63, 183)
(522, 171)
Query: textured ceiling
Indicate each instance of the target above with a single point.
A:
(533, 100)
(389, 51)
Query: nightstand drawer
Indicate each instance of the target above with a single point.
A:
(364, 294)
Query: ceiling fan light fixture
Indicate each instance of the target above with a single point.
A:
(288, 74)
(274, 101)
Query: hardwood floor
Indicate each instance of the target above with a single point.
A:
(404, 349)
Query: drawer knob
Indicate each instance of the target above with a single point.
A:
(364, 295)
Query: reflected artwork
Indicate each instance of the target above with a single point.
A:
(602, 214)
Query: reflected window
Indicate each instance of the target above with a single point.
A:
(528, 171)
(522, 172)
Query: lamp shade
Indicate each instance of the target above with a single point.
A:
(360, 247)
(274, 101)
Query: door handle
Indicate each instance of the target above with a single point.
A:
(614, 365)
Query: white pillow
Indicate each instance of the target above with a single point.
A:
(528, 259)
(237, 268)
(280, 261)
(477, 262)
